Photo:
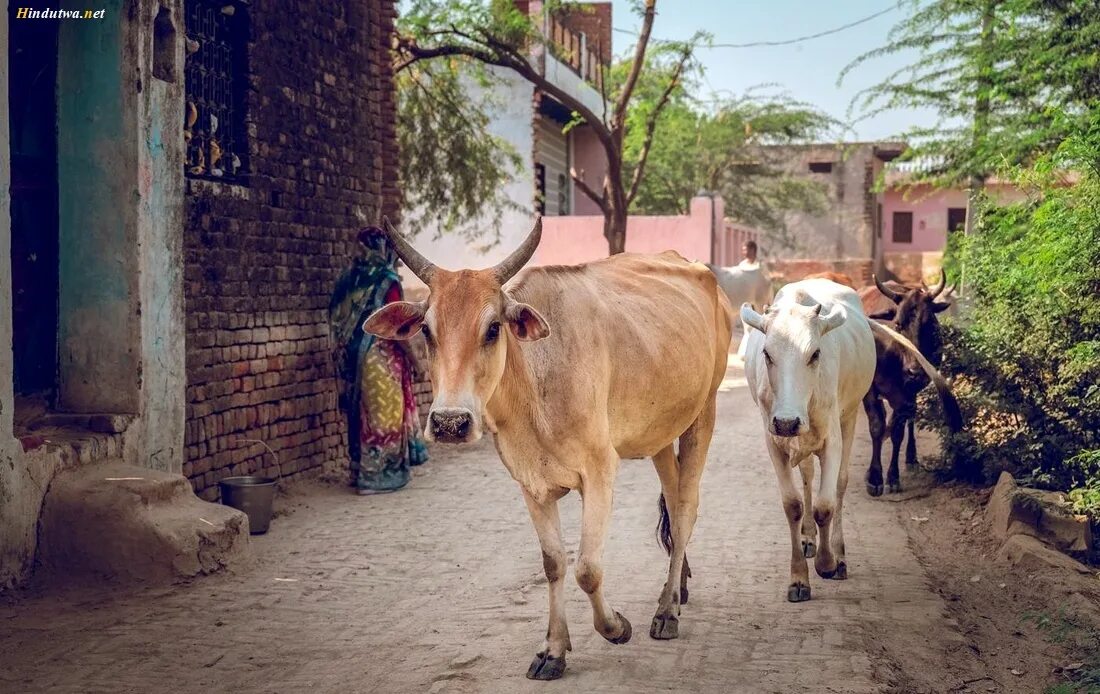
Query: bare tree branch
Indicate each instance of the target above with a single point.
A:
(578, 178)
(651, 124)
(639, 59)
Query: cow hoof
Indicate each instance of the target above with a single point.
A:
(546, 667)
(912, 462)
(874, 489)
(837, 573)
(841, 573)
(683, 595)
(665, 627)
(626, 633)
(894, 487)
(798, 592)
(809, 549)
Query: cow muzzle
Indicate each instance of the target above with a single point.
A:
(786, 426)
(453, 425)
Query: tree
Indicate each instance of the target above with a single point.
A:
(718, 147)
(1010, 79)
(472, 34)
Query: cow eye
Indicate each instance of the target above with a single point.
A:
(492, 333)
(426, 333)
(768, 357)
(815, 356)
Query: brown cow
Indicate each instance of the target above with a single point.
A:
(910, 311)
(572, 369)
(838, 277)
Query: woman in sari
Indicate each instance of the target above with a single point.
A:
(376, 374)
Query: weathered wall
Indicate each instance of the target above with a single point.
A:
(262, 259)
(12, 465)
(158, 441)
(847, 227)
(590, 161)
(97, 152)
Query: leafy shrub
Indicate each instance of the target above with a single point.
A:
(1025, 353)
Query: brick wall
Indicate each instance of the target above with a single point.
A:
(593, 19)
(262, 259)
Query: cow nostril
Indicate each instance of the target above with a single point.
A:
(786, 427)
(451, 424)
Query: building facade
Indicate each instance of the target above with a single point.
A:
(181, 183)
(534, 125)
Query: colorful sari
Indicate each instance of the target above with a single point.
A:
(377, 397)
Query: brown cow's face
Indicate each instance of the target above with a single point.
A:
(467, 322)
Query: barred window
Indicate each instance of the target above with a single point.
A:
(216, 79)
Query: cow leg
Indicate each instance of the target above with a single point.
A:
(876, 420)
(825, 505)
(693, 457)
(809, 528)
(847, 433)
(549, 662)
(911, 444)
(668, 471)
(596, 494)
(799, 588)
(898, 418)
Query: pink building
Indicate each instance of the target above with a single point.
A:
(918, 219)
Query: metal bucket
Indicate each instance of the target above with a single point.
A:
(254, 496)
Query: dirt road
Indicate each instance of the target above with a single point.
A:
(440, 588)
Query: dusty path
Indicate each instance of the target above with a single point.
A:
(439, 588)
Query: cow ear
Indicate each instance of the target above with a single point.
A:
(833, 319)
(751, 318)
(938, 307)
(399, 320)
(525, 322)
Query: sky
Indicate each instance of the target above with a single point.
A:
(806, 71)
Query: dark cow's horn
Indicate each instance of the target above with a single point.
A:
(420, 266)
(937, 289)
(887, 292)
(508, 267)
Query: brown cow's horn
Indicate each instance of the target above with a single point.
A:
(937, 289)
(508, 267)
(887, 292)
(420, 266)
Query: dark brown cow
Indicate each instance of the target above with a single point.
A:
(910, 311)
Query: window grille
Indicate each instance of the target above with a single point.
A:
(216, 77)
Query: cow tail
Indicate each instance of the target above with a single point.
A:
(951, 411)
(664, 525)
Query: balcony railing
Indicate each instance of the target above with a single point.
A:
(572, 49)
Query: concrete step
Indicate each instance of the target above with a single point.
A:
(122, 523)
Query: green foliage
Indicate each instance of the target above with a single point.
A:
(1009, 79)
(716, 147)
(453, 169)
(1026, 356)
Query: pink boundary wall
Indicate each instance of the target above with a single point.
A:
(579, 238)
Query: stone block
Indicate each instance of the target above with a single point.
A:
(1015, 510)
(123, 523)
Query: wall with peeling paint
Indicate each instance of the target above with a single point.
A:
(121, 324)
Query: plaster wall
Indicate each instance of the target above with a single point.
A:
(97, 152)
(929, 208)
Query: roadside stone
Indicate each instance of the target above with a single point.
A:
(1014, 510)
(1031, 555)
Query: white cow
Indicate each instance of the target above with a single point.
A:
(809, 361)
(744, 283)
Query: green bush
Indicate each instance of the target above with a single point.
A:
(1025, 352)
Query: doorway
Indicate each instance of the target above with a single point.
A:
(32, 95)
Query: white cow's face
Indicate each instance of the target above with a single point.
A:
(792, 357)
